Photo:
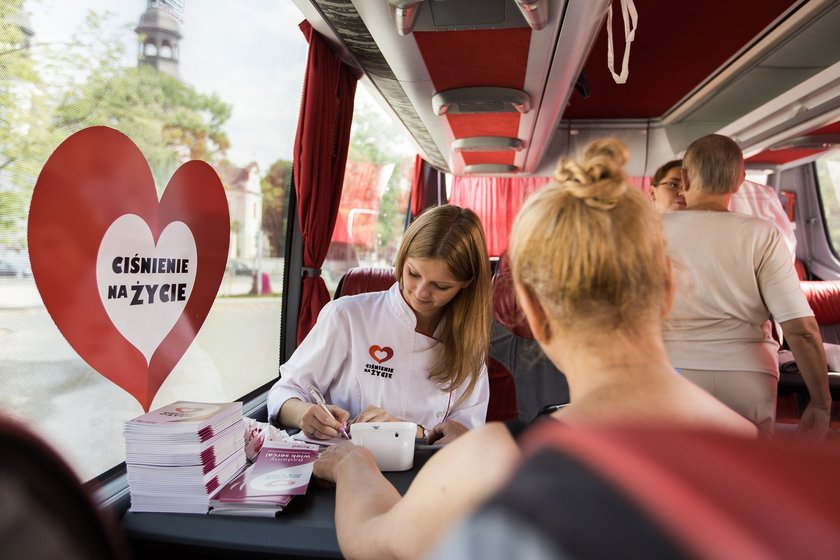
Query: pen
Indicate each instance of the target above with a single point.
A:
(319, 400)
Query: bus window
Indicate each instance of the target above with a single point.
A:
(374, 196)
(828, 187)
(167, 81)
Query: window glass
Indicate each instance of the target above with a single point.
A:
(762, 177)
(219, 81)
(828, 186)
(374, 197)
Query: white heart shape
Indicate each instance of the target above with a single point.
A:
(145, 287)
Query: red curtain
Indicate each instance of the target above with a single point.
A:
(496, 200)
(418, 188)
(320, 154)
(427, 189)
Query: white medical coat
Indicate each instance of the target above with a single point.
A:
(364, 350)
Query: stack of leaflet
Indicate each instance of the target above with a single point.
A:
(281, 472)
(179, 455)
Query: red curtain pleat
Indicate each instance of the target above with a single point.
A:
(418, 187)
(496, 200)
(320, 154)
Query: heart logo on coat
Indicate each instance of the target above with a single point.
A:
(128, 279)
(380, 354)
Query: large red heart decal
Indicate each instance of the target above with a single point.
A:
(128, 279)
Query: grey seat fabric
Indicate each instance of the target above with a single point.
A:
(538, 382)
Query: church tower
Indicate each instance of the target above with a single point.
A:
(159, 34)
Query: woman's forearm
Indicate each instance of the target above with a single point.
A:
(291, 412)
(363, 496)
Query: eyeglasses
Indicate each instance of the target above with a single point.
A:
(670, 185)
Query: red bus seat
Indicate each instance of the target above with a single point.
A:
(801, 270)
(360, 280)
(528, 378)
(644, 493)
(824, 299)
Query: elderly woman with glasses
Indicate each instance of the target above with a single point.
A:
(666, 189)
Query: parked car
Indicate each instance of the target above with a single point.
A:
(239, 268)
(15, 264)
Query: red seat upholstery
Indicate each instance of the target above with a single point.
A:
(502, 405)
(800, 269)
(361, 280)
(824, 298)
(505, 309)
(644, 493)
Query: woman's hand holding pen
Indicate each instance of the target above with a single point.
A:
(317, 422)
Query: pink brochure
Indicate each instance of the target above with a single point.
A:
(282, 469)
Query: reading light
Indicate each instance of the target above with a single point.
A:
(404, 13)
(490, 168)
(535, 12)
(470, 100)
(487, 144)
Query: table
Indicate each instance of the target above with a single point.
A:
(304, 529)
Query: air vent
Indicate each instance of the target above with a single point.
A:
(471, 100)
(487, 144)
(490, 168)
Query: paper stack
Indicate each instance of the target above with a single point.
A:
(281, 471)
(179, 455)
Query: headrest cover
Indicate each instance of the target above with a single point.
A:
(361, 280)
(505, 309)
(824, 298)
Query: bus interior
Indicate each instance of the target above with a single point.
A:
(487, 95)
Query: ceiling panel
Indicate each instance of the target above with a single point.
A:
(677, 46)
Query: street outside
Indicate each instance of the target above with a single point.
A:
(44, 383)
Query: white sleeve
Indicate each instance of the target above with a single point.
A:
(318, 359)
(472, 412)
(779, 283)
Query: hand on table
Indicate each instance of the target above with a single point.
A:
(336, 456)
(317, 424)
(446, 432)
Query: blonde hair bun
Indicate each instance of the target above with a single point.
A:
(590, 247)
(599, 179)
